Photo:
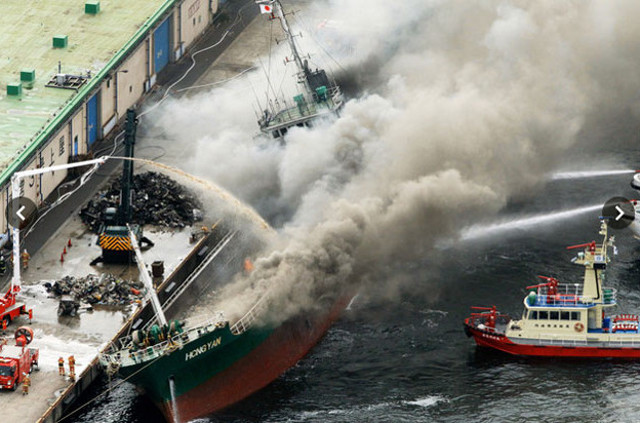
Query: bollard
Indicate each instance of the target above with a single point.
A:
(62, 258)
(69, 243)
(64, 251)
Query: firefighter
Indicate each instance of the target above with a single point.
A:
(25, 385)
(72, 364)
(61, 366)
(3, 265)
(25, 259)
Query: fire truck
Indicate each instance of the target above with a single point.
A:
(17, 361)
(10, 308)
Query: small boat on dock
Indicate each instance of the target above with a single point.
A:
(564, 320)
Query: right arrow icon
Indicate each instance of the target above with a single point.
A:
(621, 213)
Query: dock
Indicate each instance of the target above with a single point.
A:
(85, 335)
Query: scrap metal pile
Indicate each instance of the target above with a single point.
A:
(103, 289)
(157, 200)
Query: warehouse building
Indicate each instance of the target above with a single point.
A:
(70, 69)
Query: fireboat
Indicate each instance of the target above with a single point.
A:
(564, 320)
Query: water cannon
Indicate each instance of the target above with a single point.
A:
(493, 308)
(490, 322)
(551, 285)
(591, 246)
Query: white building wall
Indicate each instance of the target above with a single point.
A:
(193, 18)
(130, 85)
(107, 104)
(79, 130)
(56, 152)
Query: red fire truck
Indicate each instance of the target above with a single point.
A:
(10, 308)
(17, 361)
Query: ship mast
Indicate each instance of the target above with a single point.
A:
(302, 69)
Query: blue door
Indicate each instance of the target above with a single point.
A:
(92, 120)
(161, 46)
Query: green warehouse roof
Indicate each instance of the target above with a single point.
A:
(95, 42)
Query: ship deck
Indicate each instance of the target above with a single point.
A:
(83, 336)
(296, 115)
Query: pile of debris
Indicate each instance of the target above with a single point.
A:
(157, 200)
(103, 289)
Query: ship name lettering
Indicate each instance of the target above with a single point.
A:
(203, 349)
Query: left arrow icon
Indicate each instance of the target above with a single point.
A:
(19, 213)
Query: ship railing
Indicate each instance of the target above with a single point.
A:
(564, 342)
(127, 354)
(246, 321)
(307, 109)
(619, 343)
(572, 295)
(623, 344)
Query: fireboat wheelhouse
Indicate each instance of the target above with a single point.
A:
(564, 320)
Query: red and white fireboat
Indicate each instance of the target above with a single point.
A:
(564, 320)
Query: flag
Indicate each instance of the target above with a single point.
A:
(266, 8)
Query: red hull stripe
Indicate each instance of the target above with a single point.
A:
(502, 343)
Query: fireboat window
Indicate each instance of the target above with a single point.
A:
(575, 315)
(564, 315)
(543, 315)
(533, 315)
(554, 315)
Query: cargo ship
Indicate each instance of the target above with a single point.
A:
(195, 371)
(319, 96)
(564, 320)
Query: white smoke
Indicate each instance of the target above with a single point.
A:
(464, 105)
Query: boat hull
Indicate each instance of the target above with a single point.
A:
(500, 342)
(225, 368)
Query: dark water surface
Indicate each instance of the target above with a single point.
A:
(408, 359)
